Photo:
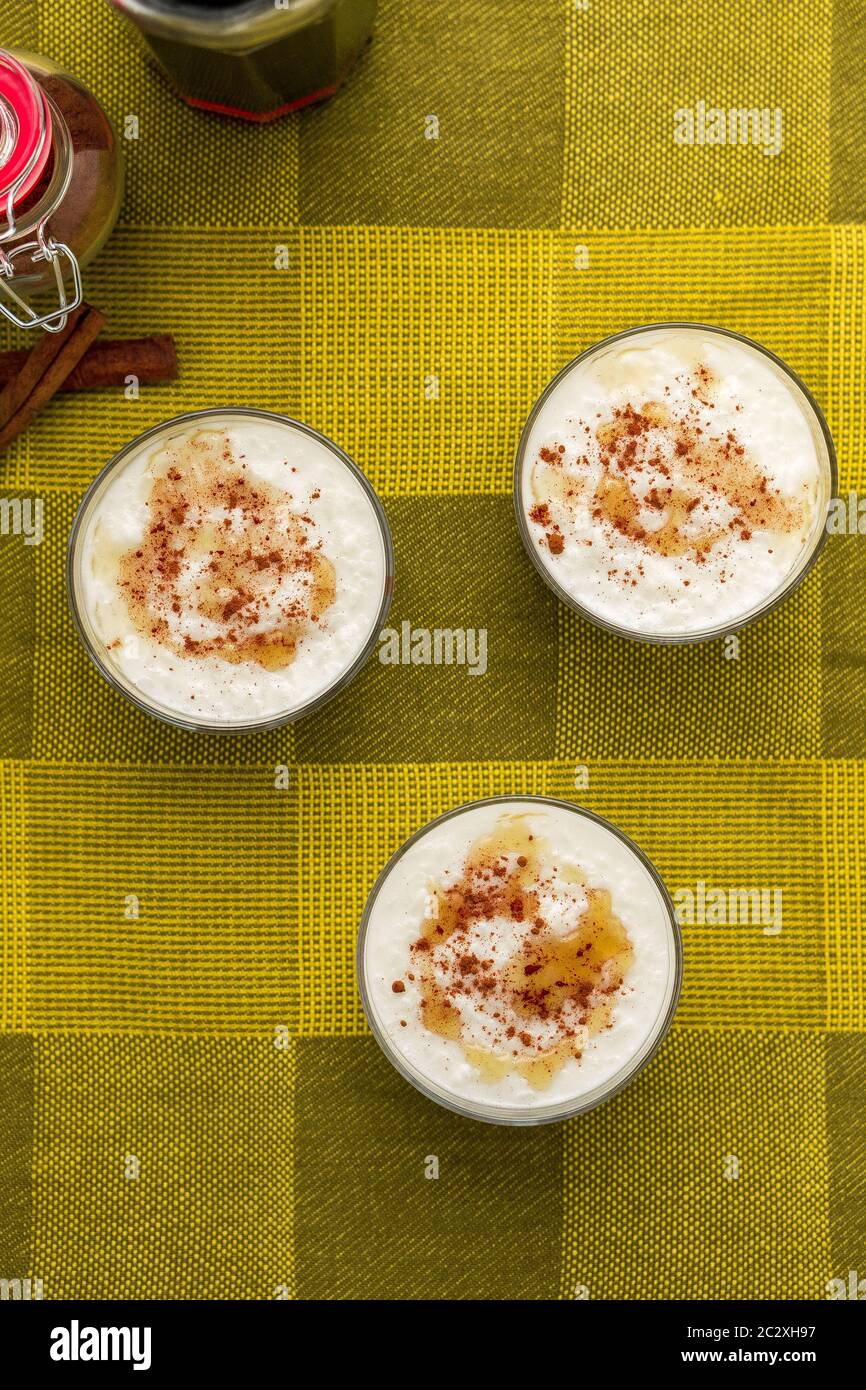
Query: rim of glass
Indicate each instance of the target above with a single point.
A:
(241, 21)
(130, 692)
(561, 1110)
(779, 595)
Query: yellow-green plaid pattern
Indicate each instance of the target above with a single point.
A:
(193, 1106)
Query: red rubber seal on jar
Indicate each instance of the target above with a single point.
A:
(27, 108)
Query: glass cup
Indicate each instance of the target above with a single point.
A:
(361, 493)
(383, 935)
(811, 546)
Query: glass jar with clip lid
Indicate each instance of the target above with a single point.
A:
(61, 184)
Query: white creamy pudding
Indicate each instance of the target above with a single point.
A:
(230, 569)
(518, 957)
(674, 481)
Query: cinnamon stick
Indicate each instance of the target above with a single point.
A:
(44, 370)
(108, 362)
(34, 366)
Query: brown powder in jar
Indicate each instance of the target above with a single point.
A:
(81, 218)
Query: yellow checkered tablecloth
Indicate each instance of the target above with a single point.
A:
(192, 1104)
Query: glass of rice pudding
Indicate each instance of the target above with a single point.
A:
(519, 960)
(672, 482)
(230, 570)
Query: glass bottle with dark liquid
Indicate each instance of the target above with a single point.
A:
(256, 59)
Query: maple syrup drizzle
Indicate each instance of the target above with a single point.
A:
(567, 983)
(228, 552)
(690, 467)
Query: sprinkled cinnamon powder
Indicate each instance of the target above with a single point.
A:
(536, 986)
(663, 480)
(226, 568)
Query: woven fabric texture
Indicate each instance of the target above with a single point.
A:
(192, 1106)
